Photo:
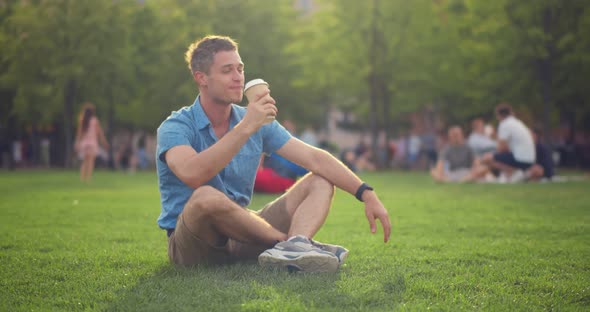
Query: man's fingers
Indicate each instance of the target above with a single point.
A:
(271, 110)
(261, 95)
(371, 219)
(386, 228)
(271, 107)
(267, 99)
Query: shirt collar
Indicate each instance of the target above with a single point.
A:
(204, 122)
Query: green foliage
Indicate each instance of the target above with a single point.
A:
(55, 42)
(463, 56)
(71, 246)
(459, 56)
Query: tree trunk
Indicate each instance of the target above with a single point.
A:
(34, 145)
(373, 88)
(546, 72)
(109, 131)
(69, 98)
(387, 128)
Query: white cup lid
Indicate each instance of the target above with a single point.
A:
(254, 82)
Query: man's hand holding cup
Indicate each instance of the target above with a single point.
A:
(261, 106)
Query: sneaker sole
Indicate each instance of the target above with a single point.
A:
(340, 252)
(307, 262)
(342, 256)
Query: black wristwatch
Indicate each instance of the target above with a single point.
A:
(361, 190)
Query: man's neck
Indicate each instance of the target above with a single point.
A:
(217, 112)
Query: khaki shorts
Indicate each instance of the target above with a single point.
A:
(187, 249)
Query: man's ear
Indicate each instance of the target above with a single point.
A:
(200, 78)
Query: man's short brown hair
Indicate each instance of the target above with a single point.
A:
(200, 53)
(504, 109)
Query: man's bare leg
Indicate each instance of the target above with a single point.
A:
(488, 160)
(308, 203)
(437, 175)
(477, 173)
(214, 218)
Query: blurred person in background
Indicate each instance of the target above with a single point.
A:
(138, 158)
(515, 151)
(543, 169)
(88, 135)
(309, 136)
(277, 174)
(413, 148)
(399, 156)
(478, 140)
(428, 149)
(363, 155)
(122, 149)
(457, 162)
(357, 163)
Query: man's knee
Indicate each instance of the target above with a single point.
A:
(207, 200)
(320, 184)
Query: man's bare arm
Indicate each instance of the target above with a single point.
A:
(320, 162)
(194, 169)
(502, 146)
(324, 164)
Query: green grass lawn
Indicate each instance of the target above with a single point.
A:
(69, 246)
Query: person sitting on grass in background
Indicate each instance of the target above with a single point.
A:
(363, 156)
(275, 173)
(478, 140)
(357, 163)
(207, 157)
(456, 162)
(543, 169)
(515, 152)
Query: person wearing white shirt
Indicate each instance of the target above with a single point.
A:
(515, 152)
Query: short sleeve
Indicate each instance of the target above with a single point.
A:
(173, 132)
(274, 136)
(503, 131)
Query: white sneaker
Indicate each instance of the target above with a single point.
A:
(298, 254)
(490, 178)
(517, 177)
(502, 179)
(340, 252)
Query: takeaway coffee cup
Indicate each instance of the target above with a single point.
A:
(254, 87)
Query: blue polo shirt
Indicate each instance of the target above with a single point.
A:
(190, 126)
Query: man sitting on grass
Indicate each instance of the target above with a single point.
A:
(456, 162)
(207, 157)
(516, 149)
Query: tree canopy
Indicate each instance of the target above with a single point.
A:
(379, 59)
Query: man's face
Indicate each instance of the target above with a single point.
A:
(478, 126)
(225, 81)
(455, 136)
